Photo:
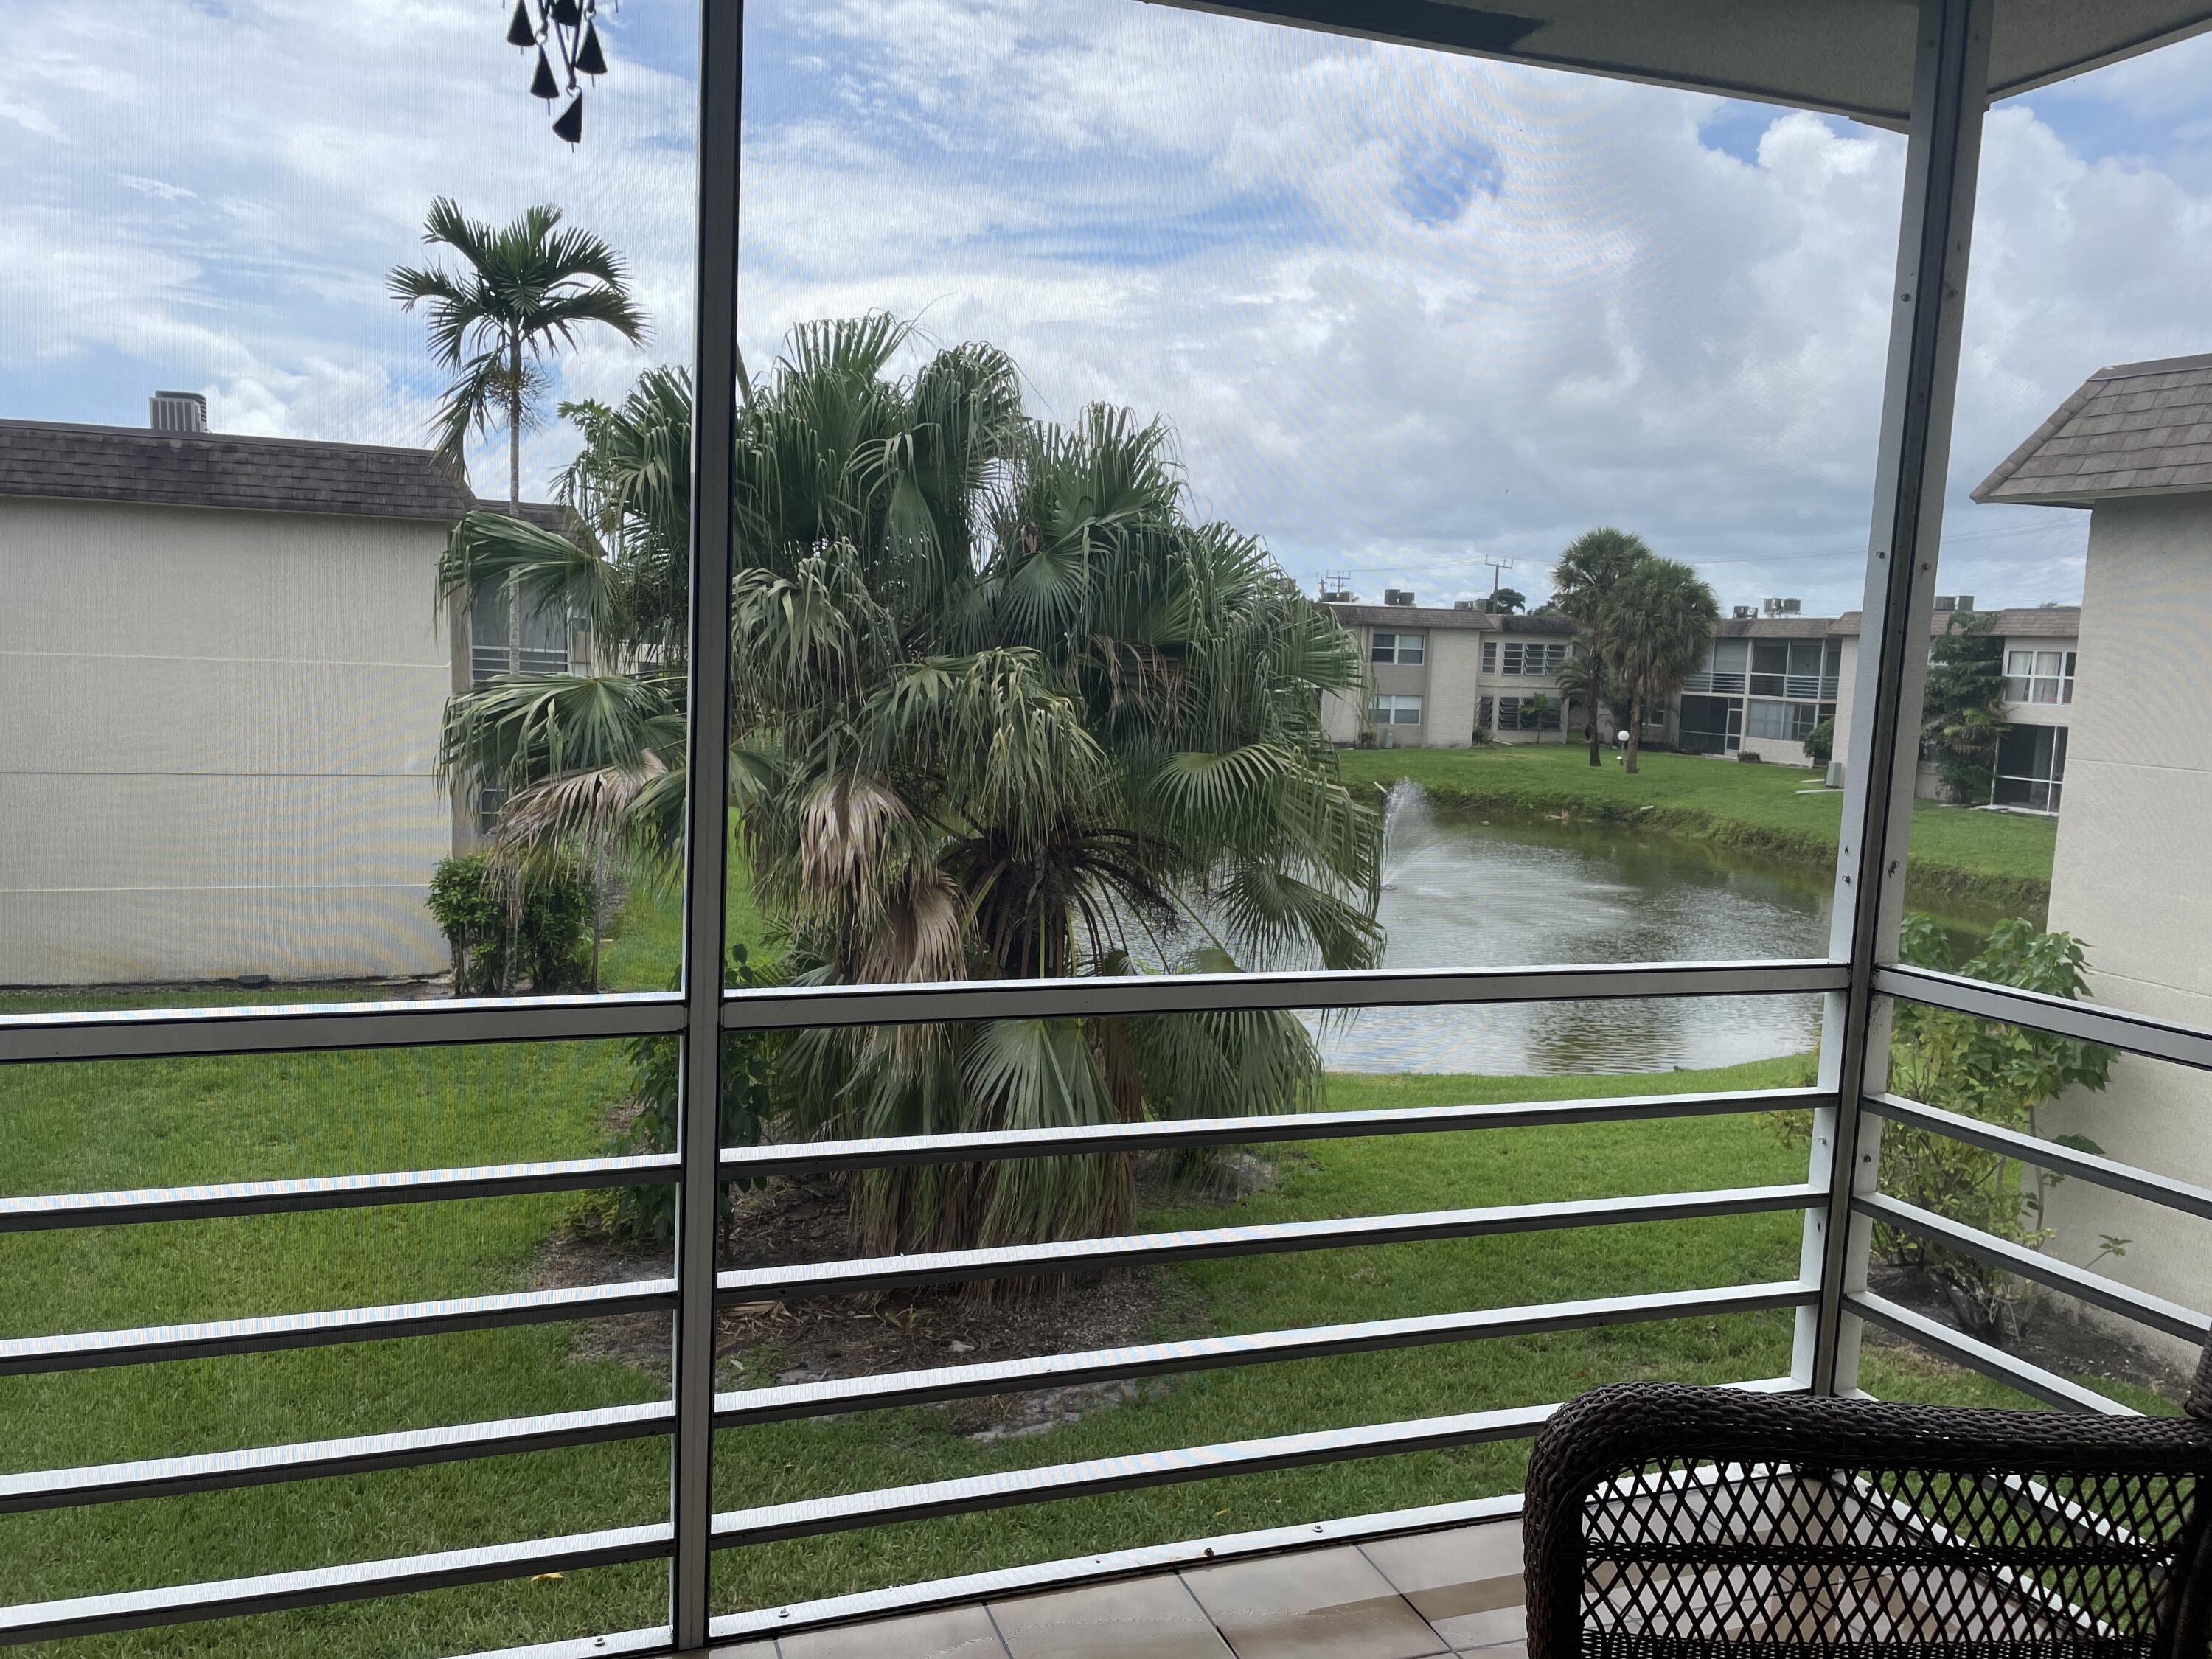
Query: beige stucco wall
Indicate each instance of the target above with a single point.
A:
(2129, 879)
(216, 757)
(1454, 664)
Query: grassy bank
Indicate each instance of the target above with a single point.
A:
(1991, 861)
(134, 1123)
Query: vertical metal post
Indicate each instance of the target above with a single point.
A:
(1882, 750)
(706, 752)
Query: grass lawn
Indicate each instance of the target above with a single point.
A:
(1995, 860)
(132, 1123)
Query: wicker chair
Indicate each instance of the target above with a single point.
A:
(1672, 1523)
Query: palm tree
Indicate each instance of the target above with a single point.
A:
(1001, 708)
(1592, 565)
(1582, 685)
(527, 287)
(1659, 627)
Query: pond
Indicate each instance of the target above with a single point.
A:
(1463, 893)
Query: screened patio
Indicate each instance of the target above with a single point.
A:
(1393, 1585)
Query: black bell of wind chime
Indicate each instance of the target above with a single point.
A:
(567, 36)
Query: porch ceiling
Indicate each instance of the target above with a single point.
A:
(1850, 56)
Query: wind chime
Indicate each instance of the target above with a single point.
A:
(565, 33)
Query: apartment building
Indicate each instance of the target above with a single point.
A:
(225, 671)
(1441, 672)
(2132, 447)
(1438, 674)
(1770, 679)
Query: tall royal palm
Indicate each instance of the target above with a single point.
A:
(1592, 565)
(1659, 627)
(525, 289)
(1002, 708)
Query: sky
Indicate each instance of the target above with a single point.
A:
(1408, 315)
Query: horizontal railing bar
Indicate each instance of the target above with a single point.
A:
(838, 1395)
(822, 1156)
(171, 1477)
(2155, 1311)
(150, 1033)
(156, 1033)
(631, 1643)
(791, 1007)
(2031, 1379)
(1139, 1560)
(311, 1193)
(361, 1454)
(814, 1517)
(2048, 1155)
(1085, 1255)
(316, 1587)
(87, 1349)
(2086, 1021)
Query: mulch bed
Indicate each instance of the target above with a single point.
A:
(789, 1222)
(2049, 1337)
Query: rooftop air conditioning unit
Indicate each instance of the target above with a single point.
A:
(1397, 596)
(177, 412)
(1785, 607)
(1744, 611)
(1467, 605)
(1337, 596)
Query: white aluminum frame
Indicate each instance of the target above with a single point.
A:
(1858, 978)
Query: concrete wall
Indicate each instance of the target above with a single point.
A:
(217, 750)
(2129, 880)
(1454, 685)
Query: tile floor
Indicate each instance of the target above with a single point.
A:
(1433, 1594)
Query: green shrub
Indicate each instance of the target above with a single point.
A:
(1998, 1074)
(1820, 742)
(468, 897)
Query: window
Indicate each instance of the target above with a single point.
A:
(1485, 712)
(1403, 649)
(1788, 722)
(2031, 768)
(1706, 728)
(1530, 657)
(1792, 668)
(2045, 677)
(1397, 711)
(542, 646)
(1490, 656)
(1528, 714)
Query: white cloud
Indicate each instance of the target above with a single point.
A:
(1403, 310)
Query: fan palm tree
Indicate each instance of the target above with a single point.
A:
(1592, 565)
(1659, 625)
(1582, 685)
(1001, 708)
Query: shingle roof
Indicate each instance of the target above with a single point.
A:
(2052, 622)
(68, 462)
(2136, 428)
(1774, 628)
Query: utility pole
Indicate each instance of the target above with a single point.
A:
(1498, 569)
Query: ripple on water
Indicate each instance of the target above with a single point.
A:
(1463, 894)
